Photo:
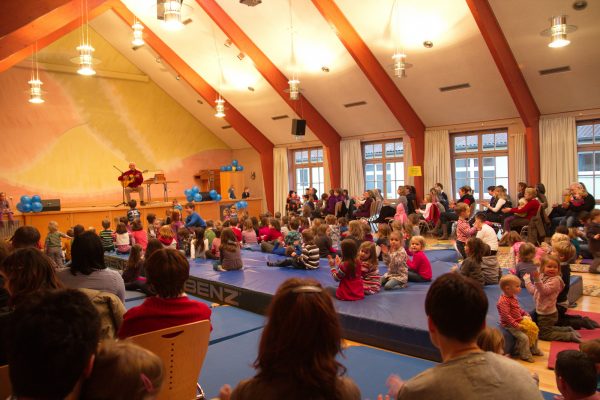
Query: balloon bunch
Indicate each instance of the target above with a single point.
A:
(30, 204)
(240, 205)
(235, 166)
(214, 195)
(193, 194)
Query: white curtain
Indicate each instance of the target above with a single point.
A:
(352, 167)
(517, 156)
(408, 161)
(558, 155)
(437, 160)
(280, 173)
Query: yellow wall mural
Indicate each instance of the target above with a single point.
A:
(66, 147)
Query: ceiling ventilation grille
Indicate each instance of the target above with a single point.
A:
(556, 70)
(226, 127)
(455, 87)
(278, 117)
(355, 104)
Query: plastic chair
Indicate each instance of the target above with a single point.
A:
(182, 349)
(5, 386)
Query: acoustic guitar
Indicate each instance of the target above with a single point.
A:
(129, 179)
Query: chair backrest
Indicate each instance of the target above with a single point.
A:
(472, 208)
(5, 386)
(182, 349)
(375, 207)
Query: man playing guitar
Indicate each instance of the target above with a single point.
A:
(132, 181)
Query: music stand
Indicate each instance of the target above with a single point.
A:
(122, 203)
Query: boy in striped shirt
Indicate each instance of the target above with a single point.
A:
(107, 236)
(307, 259)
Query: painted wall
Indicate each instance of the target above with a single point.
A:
(66, 147)
(250, 159)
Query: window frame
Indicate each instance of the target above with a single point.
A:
(383, 160)
(479, 154)
(594, 148)
(309, 164)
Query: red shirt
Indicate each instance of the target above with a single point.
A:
(351, 286)
(419, 264)
(156, 313)
(137, 176)
(530, 208)
(510, 311)
(237, 232)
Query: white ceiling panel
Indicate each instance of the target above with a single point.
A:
(578, 89)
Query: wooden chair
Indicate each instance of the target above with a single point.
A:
(338, 208)
(5, 386)
(182, 349)
(374, 214)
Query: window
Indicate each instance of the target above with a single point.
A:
(308, 170)
(384, 166)
(480, 159)
(588, 155)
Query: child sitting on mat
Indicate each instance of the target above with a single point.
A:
(347, 271)
(545, 287)
(167, 237)
(367, 254)
(230, 256)
(199, 244)
(419, 268)
(516, 320)
(307, 259)
(491, 339)
(334, 234)
(525, 264)
(249, 234)
(395, 258)
(471, 266)
(106, 236)
(122, 239)
(213, 253)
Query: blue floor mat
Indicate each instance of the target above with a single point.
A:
(230, 322)
(231, 361)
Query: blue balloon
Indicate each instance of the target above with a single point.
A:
(197, 197)
(228, 168)
(36, 207)
(25, 199)
(234, 163)
(20, 207)
(26, 207)
(223, 168)
(240, 168)
(245, 203)
(213, 194)
(189, 198)
(218, 198)
(187, 192)
(36, 199)
(195, 190)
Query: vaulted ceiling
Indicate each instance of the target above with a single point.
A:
(331, 78)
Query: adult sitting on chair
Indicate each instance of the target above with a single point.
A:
(167, 271)
(493, 212)
(132, 182)
(52, 343)
(530, 209)
(364, 210)
(301, 317)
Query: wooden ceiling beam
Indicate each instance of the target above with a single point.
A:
(379, 78)
(248, 131)
(28, 21)
(315, 121)
(513, 79)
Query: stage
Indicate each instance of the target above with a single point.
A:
(393, 320)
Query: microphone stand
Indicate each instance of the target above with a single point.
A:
(122, 203)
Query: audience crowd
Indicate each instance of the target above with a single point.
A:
(62, 309)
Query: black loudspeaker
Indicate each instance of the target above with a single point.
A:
(51, 205)
(298, 127)
(205, 196)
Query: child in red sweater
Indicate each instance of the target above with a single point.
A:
(419, 268)
(348, 272)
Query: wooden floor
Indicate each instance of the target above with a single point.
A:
(547, 380)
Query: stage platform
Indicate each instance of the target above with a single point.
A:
(393, 320)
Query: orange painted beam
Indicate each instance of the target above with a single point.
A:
(513, 79)
(379, 78)
(39, 21)
(248, 131)
(319, 125)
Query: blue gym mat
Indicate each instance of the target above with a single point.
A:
(231, 361)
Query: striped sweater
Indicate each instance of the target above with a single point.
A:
(310, 256)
